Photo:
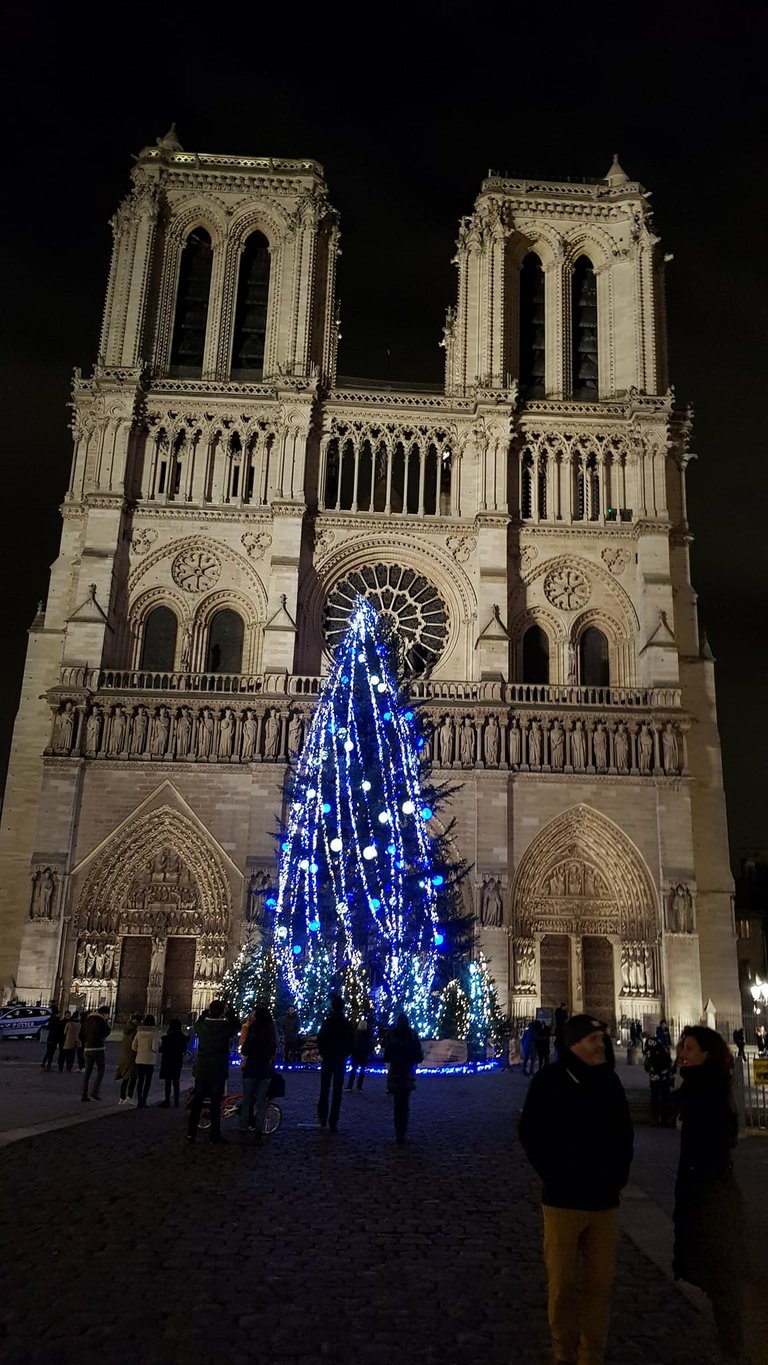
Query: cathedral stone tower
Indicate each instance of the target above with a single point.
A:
(525, 530)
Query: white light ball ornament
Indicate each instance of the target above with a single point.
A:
(369, 852)
(384, 817)
(374, 679)
(382, 687)
(366, 786)
(348, 745)
(408, 808)
(282, 932)
(336, 845)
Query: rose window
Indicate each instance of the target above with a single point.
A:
(407, 601)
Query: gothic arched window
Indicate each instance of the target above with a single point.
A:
(532, 325)
(225, 643)
(250, 332)
(188, 345)
(584, 330)
(526, 486)
(535, 655)
(594, 669)
(158, 646)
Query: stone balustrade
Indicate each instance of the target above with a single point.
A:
(563, 730)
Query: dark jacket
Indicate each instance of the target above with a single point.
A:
(172, 1049)
(403, 1052)
(577, 1134)
(94, 1031)
(258, 1051)
(708, 1217)
(214, 1035)
(336, 1038)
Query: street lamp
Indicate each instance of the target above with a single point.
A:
(759, 993)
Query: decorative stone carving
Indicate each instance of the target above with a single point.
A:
(528, 556)
(406, 599)
(644, 749)
(534, 745)
(669, 749)
(578, 747)
(183, 741)
(638, 975)
(600, 747)
(93, 730)
(205, 733)
(324, 541)
(491, 742)
(525, 965)
(161, 724)
(271, 734)
(616, 558)
(248, 741)
(467, 743)
(256, 544)
(139, 728)
(514, 744)
(557, 746)
(63, 729)
(196, 570)
(295, 733)
(680, 915)
(461, 547)
(143, 540)
(621, 748)
(491, 903)
(258, 883)
(117, 733)
(567, 589)
(227, 733)
(43, 899)
(446, 742)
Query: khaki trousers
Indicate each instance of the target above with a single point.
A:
(579, 1304)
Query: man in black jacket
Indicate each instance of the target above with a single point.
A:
(215, 1030)
(577, 1134)
(335, 1042)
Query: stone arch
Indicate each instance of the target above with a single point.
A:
(197, 212)
(544, 241)
(242, 567)
(229, 599)
(258, 218)
(625, 902)
(114, 867)
(593, 243)
(140, 608)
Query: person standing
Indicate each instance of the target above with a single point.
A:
(663, 1035)
(541, 1037)
(403, 1052)
(561, 1015)
(761, 1040)
(258, 1051)
(528, 1047)
(173, 1046)
(658, 1064)
(126, 1062)
(94, 1032)
(361, 1050)
(54, 1039)
(291, 1035)
(80, 1048)
(334, 1043)
(738, 1043)
(577, 1134)
(145, 1045)
(70, 1041)
(708, 1216)
(214, 1031)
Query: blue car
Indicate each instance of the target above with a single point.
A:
(23, 1021)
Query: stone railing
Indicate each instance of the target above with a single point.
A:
(533, 734)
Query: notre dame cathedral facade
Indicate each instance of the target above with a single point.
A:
(524, 528)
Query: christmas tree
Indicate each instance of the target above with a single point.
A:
(366, 885)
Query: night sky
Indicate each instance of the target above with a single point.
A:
(407, 107)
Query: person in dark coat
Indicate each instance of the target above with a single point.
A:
(663, 1035)
(257, 1050)
(173, 1047)
(126, 1062)
(658, 1064)
(541, 1036)
(335, 1042)
(291, 1045)
(55, 1038)
(363, 1047)
(561, 1016)
(403, 1052)
(214, 1030)
(528, 1048)
(708, 1216)
(577, 1134)
(739, 1043)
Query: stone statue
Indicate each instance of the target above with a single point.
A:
(446, 742)
(621, 748)
(579, 747)
(645, 749)
(99, 963)
(625, 968)
(271, 734)
(109, 960)
(600, 747)
(557, 882)
(139, 731)
(226, 733)
(669, 749)
(491, 743)
(534, 745)
(557, 745)
(46, 886)
(161, 724)
(467, 743)
(257, 885)
(525, 963)
(491, 904)
(93, 732)
(574, 879)
(117, 730)
(680, 904)
(514, 745)
(90, 959)
(590, 888)
(295, 734)
(205, 734)
(183, 733)
(80, 960)
(63, 728)
(186, 651)
(248, 746)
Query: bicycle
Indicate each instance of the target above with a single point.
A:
(230, 1106)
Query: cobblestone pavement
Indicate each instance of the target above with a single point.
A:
(122, 1243)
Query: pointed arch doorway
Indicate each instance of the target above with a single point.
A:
(583, 905)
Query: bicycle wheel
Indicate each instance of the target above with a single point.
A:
(273, 1118)
(205, 1118)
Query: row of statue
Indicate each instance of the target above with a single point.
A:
(638, 976)
(575, 879)
(189, 923)
(557, 743)
(184, 733)
(97, 960)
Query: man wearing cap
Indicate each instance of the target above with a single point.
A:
(577, 1134)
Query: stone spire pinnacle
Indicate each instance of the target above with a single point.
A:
(616, 175)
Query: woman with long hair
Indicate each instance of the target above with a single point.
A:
(708, 1209)
(258, 1053)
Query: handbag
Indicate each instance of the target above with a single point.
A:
(276, 1088)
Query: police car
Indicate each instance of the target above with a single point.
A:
(23, 1021)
